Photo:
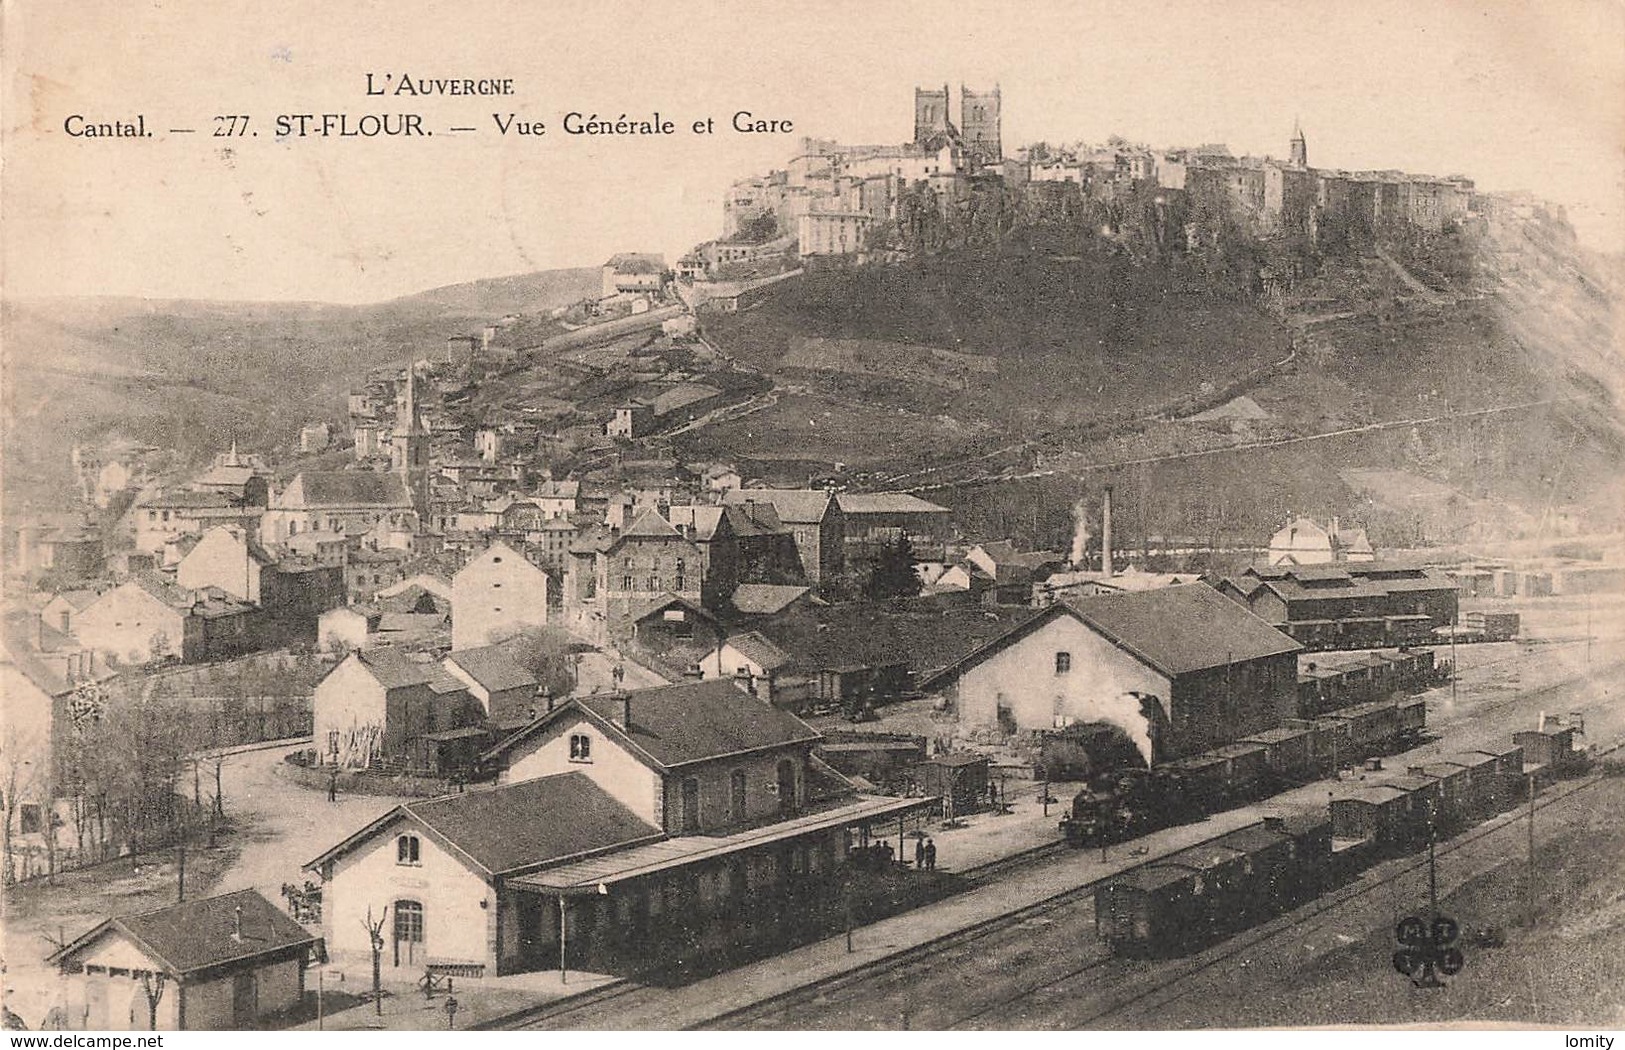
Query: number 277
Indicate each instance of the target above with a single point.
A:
(226, 127)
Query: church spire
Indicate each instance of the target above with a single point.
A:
(1300, 147)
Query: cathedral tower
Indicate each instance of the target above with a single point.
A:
(979, 121)
(930, 114)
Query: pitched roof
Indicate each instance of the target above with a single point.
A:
(650, 525)
(394, 670)
(346, 488)
(674, 725)
(695, 721)
(702, 518)
(756, 648)
(519, 826)
(493, 668)
(199, 934)
(920, 635)
(636, 262)
(886, 503)
(1182, 629)
(766, 599)
(666, 600)
(77, 599)
(794, 506)
(558, 489)
(189, 500)
(1175, 630)
(755, 519)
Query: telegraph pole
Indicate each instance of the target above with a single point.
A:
(1530, 878)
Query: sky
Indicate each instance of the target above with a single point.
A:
(1516, 96)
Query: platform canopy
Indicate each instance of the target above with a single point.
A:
(598, 874)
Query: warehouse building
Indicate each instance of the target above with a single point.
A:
(1180, 669)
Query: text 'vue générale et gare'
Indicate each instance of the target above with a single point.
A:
(284, 126)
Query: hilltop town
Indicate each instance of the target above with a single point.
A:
(663, 628)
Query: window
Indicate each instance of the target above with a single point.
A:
(1063, 663)
(580, 747)
(654, 583)
(677, 585)
(28, 819)
(626, 582)
(407, 850)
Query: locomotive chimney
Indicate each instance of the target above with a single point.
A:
(1106, 534)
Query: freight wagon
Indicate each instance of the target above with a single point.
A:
(1181, 902)
(1134, 802)
(1202, 894)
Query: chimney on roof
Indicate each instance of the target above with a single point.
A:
(623, 709)
(1415, 771)
(237, 924)
(1274, 822)
(1106, 534)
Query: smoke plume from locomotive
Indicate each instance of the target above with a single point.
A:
(1125, 711)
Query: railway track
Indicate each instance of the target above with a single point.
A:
(1166, 987)
(1159, 993)
(630, 991)
(1178, 978)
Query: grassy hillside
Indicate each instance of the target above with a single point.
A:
(1513, 358)
(194, 374)
(1075, 337)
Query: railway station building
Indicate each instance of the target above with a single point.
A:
(650, 828)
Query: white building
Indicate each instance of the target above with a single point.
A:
(495, 596)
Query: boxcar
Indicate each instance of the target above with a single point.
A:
(1269, 860)
(1424, 808)
(1143, 911)
(1247, 768)
(1482, 782)
(1508, 786)
(1288, 753)
(1412, 719)
(1456, 802)
(1206, 778)
(1372, 726)
(1217, 891)
(1371, 813)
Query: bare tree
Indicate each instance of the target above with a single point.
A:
(375, 935)
(152, 986)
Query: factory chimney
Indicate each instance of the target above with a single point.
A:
(1106, 534)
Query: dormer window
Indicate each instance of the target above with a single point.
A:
(407, 850)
